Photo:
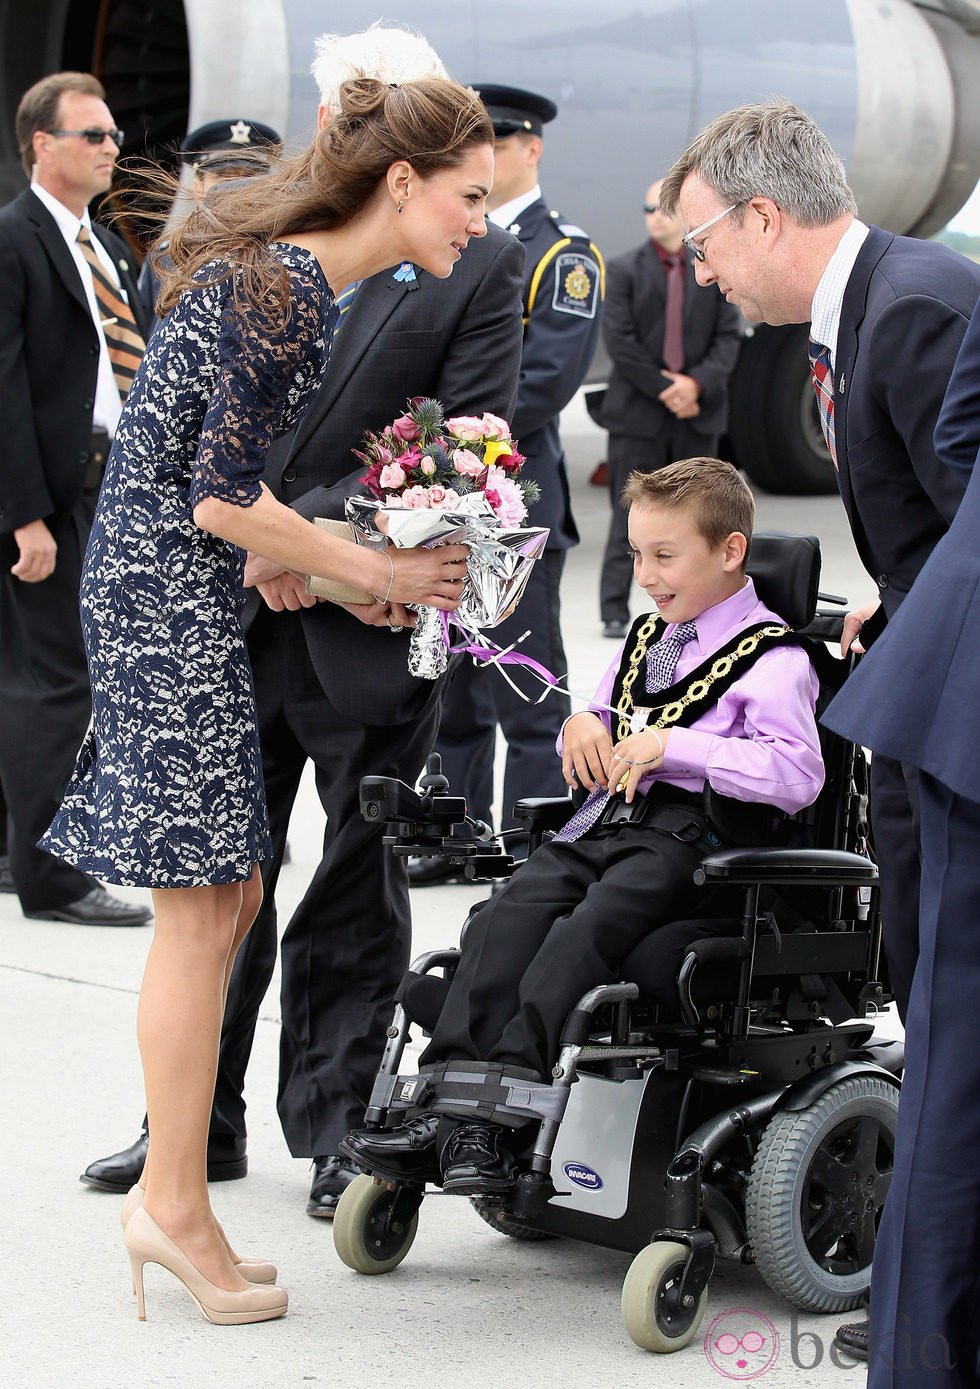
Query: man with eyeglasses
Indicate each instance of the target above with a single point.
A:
(672, 347)
(774, 227)
(71, 336)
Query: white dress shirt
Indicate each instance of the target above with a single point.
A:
(828, 300)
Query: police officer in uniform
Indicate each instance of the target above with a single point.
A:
(563, 293)
(216, 152)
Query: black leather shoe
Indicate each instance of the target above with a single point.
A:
(405, 1154)
(853, 1339)
(615, 631)
(226, 1163)
(96, 908)
(332, 1176)
(6, 877)
(476, 1161)
(428, 872)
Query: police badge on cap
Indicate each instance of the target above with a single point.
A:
(231, 145)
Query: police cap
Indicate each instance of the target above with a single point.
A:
(513, 110)
(237, 144)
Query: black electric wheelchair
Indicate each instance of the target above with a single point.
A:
(728, 1099)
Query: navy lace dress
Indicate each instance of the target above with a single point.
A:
(167, 790)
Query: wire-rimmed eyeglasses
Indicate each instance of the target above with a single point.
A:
(688, 239)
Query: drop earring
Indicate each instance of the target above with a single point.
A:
(400, 205)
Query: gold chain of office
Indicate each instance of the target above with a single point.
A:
(697, 690)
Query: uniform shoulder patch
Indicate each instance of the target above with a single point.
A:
(577, 284)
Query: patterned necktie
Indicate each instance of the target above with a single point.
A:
(823, 384)
(343, 302)
(661, 664)
(122, 337)
(673, 349)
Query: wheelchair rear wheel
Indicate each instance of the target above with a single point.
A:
(815, 1192)
(647, 1315)
(374, 1225)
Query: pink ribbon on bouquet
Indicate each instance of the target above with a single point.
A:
(503, 656)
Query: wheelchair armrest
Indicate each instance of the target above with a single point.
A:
(823, 867)
(541, 813)
(716, 950)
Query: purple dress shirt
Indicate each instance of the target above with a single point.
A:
(759, 742)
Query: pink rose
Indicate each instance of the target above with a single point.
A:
(405, 429)
(467, 464)
(504, 496)
(392, 475)
(466, 427)
(428, 466)
(494, 427)
(396, 500)
(444, 498)
(417, 498)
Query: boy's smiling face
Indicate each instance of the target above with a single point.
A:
(677, 567)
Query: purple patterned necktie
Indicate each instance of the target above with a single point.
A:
(823, 383)
(661, 664)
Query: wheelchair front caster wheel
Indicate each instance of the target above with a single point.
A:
(374, 1225)
(647, 1313)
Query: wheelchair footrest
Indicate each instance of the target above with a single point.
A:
(480, 1090)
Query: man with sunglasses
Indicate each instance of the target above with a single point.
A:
(60, 399)
(774, 227)
(673, 347)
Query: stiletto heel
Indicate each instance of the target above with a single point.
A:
(147, 1243)
(252, 1270)
(136, 1264)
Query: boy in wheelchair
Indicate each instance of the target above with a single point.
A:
(714, 691)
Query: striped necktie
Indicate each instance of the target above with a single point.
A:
(343, 303)
(823, 384)
(661, 663)
(122, 337)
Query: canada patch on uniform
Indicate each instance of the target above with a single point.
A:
(576, 284)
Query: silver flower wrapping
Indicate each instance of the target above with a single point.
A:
(499, 567)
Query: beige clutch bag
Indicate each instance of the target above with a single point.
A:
(335, 589)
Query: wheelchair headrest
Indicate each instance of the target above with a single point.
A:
(785, 569)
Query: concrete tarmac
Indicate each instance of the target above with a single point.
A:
(467, 1306)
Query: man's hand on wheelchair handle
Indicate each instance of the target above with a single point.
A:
(586, 751)
(853, 622)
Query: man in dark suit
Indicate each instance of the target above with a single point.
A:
(59, 402)
(563, 289)
(342, 697)
(773, 225)
(914, 699)
(672, 347)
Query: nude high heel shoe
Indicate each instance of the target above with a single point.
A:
(146, 1243)
(252, 1270)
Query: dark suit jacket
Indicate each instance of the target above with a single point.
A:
(906, 308)
(633, 331)
(458, 340)
(49, 359)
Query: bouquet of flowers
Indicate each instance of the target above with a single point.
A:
(440, 481)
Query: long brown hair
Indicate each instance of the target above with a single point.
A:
(431, 123)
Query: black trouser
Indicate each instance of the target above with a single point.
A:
(628, 455)
(564, 924)
(478, 698)
(895, 821)
(347, 945)
(45, 706)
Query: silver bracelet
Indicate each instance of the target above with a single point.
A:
(391, 579)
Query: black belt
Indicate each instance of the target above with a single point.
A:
(97, 455)
(617, 812)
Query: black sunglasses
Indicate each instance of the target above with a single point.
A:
(94, 137)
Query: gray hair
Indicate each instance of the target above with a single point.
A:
(387, 54)
(770, 149)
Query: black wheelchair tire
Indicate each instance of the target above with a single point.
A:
(504, 1224)
(815, 1192)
